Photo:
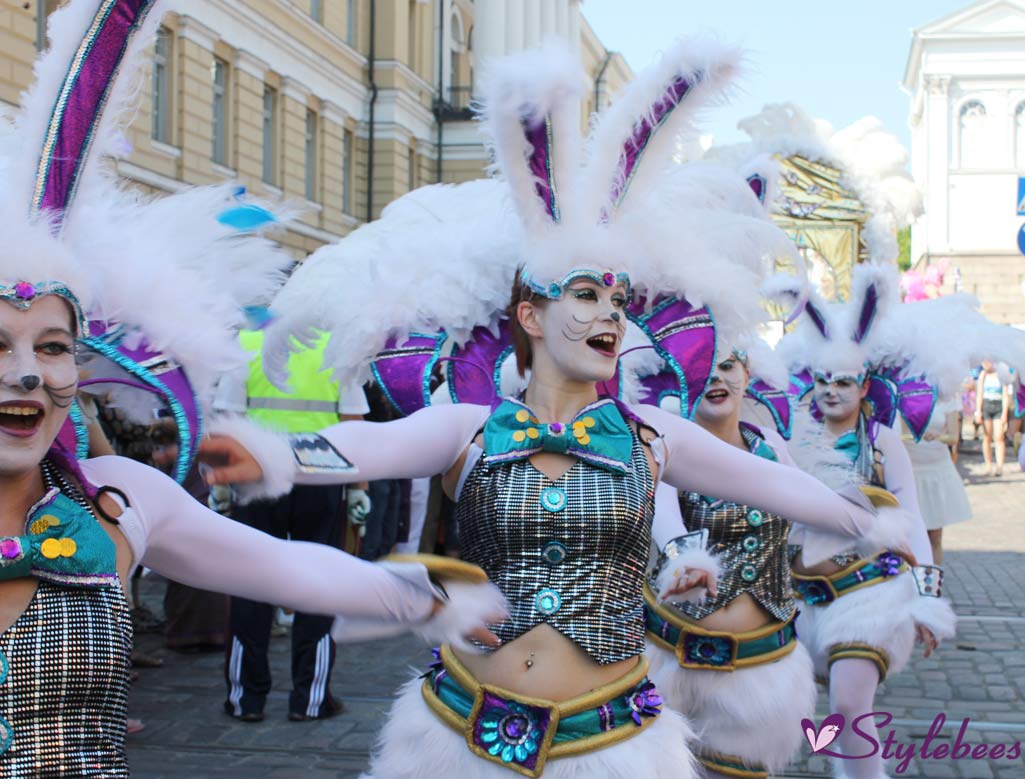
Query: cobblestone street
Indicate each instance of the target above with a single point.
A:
(980, 675)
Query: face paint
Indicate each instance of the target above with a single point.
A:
(579, 334)
(838, 395)
(726, 388)
(36, 342)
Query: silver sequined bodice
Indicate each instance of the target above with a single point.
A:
(751, 545)
(570, 553)
(65, 696)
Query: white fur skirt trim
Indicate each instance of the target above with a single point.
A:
(880, 616)
(415, 744)
(753, 713)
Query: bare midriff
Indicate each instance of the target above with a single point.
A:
(740, 615)
(543, 663)
(823, 568)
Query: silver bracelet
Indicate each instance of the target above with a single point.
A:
(929, 580)
(315, 454)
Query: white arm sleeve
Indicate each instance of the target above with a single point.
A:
(900, 480)
(668, 523)
(423, 444)
(698, 461)
(174, 534)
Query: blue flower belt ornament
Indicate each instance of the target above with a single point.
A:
(64, 545)
(598, 435)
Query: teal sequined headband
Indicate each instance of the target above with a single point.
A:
(23, 294)
(555, 290)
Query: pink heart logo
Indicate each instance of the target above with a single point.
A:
(820, 738)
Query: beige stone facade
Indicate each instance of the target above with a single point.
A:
(279, 95)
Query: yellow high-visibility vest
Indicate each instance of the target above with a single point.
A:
(313, 403)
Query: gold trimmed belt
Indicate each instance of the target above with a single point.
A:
(865, 572)
(698, 648)
(522, 732)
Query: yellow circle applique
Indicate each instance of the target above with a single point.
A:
(51, 548)
(522, 415)
(584, 440)
(519, 436)
(588, 421)
(68, 547)
(579, 429)
(43, 524)
(532, 433)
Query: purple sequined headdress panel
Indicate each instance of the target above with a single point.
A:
(633, 150)
(540, 163)
(79, 106)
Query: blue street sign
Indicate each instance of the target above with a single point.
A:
(1021, 239)
(1021, 195)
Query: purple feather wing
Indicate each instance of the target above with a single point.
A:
(404, 369)
(683, 336)
(882, 398)
(474, 369)
(777, 402)
(916, 400)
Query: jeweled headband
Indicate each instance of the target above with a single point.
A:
(556, 289)
(23, 294)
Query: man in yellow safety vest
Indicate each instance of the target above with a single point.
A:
(308, 513)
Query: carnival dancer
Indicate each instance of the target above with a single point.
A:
(864, 362)
(554, 488)
(727, 655)
(69, 531)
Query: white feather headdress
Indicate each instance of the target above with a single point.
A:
(166, 268)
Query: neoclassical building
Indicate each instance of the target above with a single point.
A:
(966, 77)
(337, 106)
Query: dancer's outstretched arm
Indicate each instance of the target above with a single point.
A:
(697, 460)
(174, 534)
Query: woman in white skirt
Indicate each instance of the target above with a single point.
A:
(941, 494)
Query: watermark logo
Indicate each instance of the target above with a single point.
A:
(868, 730)
(819, 739)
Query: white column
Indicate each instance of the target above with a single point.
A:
(531, 23)
(574, 25)
(489, 30)
(549, 18)
(938, 120)
(562, 17)
(513, 26)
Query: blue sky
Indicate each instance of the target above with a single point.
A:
(837, 60)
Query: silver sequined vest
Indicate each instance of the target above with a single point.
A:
(63, 704)
(569, 553)
(751, 545)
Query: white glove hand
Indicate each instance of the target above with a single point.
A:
(358, 503)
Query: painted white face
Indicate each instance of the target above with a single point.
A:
(582, 332)
(725, 392)
(838, 395)
(38, 379)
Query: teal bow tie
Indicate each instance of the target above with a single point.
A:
(598, 435)
(848, 445)
(64, 544)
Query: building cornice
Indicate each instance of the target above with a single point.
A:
(247, 63)
(197, 32)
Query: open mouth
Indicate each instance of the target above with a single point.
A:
(20, 418)
(604, 344)
(717, 395)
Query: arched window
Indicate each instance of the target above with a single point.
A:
(1019, 136)
(459, 92)
(972, 135)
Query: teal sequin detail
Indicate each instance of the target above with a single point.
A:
(748, 573)
(548, 602)
(6, 731)
(755, 518)
(751, 543)
(553, 499)
(554, 552)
